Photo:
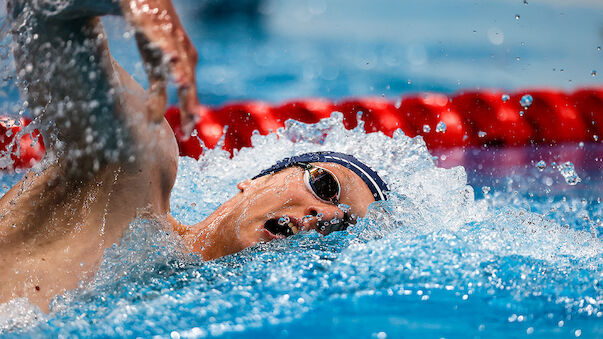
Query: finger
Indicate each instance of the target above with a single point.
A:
(157, 69)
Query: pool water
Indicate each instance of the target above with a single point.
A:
(432, 260)
(500, 247)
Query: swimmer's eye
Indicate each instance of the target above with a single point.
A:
(321, 182)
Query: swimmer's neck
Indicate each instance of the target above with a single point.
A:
(206, 237)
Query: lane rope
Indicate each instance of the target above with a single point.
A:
(465, 119)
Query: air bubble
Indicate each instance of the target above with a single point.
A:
(521, 113)
(517, 16)
(441, 127)
(481, 134)
(426, 129)
(505, 97)
(593, 73)
(284, 220)
(526, 101)
(486, 190)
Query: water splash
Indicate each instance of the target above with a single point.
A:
(569, 173)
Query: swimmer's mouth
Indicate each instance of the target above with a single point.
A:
(285, 230)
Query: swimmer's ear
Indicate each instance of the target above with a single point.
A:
(244, 184)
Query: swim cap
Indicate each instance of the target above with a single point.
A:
(374, 182)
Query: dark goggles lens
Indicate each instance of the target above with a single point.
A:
(323, 183)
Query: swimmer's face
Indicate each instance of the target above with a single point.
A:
(253, 215)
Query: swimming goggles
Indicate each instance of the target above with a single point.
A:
(321, 182)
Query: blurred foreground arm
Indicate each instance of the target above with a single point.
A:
(87, 107)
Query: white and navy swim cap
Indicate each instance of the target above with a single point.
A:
(374, 182)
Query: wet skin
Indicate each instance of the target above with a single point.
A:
(56, 222)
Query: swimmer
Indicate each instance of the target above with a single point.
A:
(112, 157)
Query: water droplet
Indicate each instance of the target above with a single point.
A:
(517, 16)
(541, 165)
(593, 73)
(569, 174)
(505, 97)
(426, 129)
(526, 101)
(481, 134)
(441, 127)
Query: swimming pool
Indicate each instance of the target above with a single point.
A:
(518, 252)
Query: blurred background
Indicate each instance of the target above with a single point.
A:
(277, 50)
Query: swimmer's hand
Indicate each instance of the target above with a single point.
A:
(165, 47)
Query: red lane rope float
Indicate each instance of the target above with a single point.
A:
(472, 118)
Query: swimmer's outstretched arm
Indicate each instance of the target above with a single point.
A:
(87, 106)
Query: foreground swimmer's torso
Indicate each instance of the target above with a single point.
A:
(55, 224)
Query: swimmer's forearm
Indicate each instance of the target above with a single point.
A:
(163, 42)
